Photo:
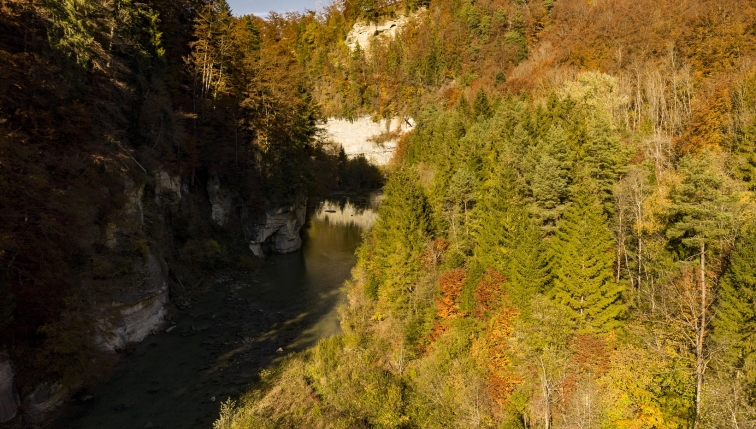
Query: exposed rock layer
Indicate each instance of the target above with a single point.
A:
(278, 229)
(359, 137)
(132, 316)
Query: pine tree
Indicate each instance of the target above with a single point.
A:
(602, 158)
(583, 258)
(481, 105)
(528, 270)
(507, 239)
(734, 322)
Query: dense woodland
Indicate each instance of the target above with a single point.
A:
(568, 235)
(98, 98)
(567, 239)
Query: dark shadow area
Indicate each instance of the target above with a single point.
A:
(216, 349)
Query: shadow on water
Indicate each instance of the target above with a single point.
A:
(178, 377)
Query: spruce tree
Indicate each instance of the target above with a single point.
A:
(400, 236)
(496, 220)
(550, 179)
(734, 322)
(528, 270)
(507, 239)
(583, 280)
(699, 218)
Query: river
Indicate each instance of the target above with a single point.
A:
(246, 322)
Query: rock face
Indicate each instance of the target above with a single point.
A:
(220, 200)
(8, 396)
(167, 187)
(359, 137)
(131, 216)
(132, 315)
(44, 399)
(363, 33)
(277, 229)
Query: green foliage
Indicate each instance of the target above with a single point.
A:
(735, 318)
(701, 207)
(400, 235)
(550, 179)
(72, 32)
(583, 278)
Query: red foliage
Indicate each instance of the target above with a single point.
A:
(451, 287)
(489, 294)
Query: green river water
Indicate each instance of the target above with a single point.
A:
(177, 379)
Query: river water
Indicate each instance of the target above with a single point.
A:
(246, 322)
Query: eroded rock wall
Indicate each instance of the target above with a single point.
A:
(277, 229)
(130, 315)
(376, 141)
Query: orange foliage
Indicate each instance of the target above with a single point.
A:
(491, 301)
(501, 379)
(433, 254)
(711, 118)
(451, 287)
(489, 294)
(591, 354)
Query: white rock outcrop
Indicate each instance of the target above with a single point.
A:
(221, 201)
(278, 228)
(363, 33)
(8, 396)
(167, 187)
(133, 316)
(359, 137)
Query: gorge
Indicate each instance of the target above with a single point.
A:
(563, 238)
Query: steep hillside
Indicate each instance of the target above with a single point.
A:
(564, 237)
(141, 145)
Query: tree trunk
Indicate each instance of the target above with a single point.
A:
(700, 340)
(546, 397)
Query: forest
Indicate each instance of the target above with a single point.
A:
(106, 108)
(567, 236)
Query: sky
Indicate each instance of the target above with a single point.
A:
(262, 7)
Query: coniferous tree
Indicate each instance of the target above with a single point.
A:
(602, 158)
(496, 220)
(582, 265)
(700, 216)
(528, 270)
(549, 182)
(400, 237)
(734, 322)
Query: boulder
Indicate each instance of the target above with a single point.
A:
(45, 398)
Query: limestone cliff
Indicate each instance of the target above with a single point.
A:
(364, 33)
(376, 141)
(277, 230)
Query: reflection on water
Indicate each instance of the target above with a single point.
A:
(177, 379)
(358, 212)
